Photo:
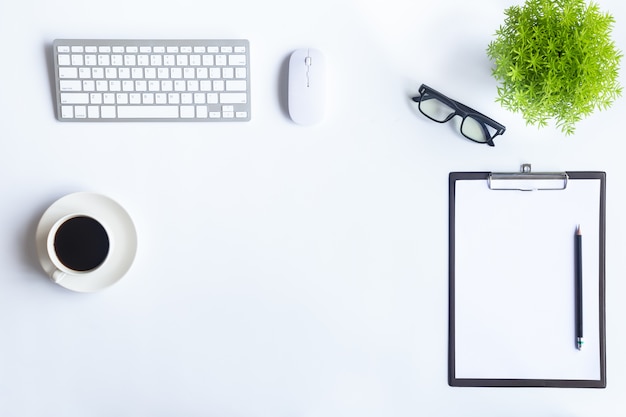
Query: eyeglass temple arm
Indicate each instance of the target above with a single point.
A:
(499, 127)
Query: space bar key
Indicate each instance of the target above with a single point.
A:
(147, 112)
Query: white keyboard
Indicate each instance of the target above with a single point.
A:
(152, 80)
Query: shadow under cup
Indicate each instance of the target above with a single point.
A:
(81, 244)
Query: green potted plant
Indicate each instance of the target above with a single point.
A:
(555, 60)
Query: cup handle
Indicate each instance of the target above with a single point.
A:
(57, 276)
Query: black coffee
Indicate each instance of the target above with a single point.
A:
(81, 243)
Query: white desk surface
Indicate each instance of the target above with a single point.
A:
(282, 270)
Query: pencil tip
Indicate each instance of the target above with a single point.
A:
(578, 232)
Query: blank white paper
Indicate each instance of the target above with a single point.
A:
(514, 282)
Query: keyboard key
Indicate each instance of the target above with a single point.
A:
(74, 98)
(84, 72)
(104, 60)
(189, 73)
(136, 73)
(91, 60)
(235, 60)
(233, 98)
(68, 72)
(107, 112)
(236, 85)
(176, 72)
(169, 60)
(156, 60)
(95, 98)
(70, 85)
(221, 60)
(187, 112)
(67, 112)
(147, 112)
(202, 112)
(163, 73)
(93, 112)
(80, 112)
(64, 60)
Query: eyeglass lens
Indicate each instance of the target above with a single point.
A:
(474, 129)
(435, 109)
(441, 112)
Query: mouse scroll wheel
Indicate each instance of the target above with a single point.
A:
(307, 61)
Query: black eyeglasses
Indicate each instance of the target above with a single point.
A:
(475, 126)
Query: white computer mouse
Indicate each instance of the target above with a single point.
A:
(307, 86)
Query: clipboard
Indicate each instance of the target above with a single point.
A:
(512, 279)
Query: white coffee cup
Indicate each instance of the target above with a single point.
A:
(77, 244)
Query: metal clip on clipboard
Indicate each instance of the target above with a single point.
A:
(525, 180)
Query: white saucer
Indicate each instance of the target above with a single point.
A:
(119, 224)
